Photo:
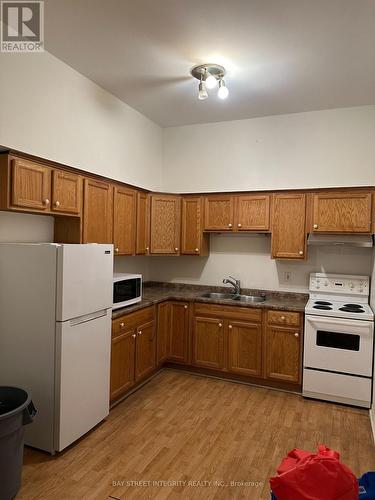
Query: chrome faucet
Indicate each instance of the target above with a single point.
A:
(235, 283)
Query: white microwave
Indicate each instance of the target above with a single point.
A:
(127, 289)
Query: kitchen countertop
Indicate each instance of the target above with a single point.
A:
(156, 292)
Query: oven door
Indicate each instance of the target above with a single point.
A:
(339, 345)
(126, 292)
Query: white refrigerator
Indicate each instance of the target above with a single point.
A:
(55, 335)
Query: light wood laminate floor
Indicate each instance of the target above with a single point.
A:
(191, 431)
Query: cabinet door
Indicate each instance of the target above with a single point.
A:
(219, 213)
(346, 212)
(253, 213)
(283, 354)
(124, 207)
(143, 224)
(145, 358)
(288, 227)
(165, 224)
(122, 363)
(179, 333)
(97, 212)
(31, 185)
(192, 242)
(163, 332)
(245, 348)
(66, 192)
(208, 344)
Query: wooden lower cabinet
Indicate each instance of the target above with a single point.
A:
(283, 353)
(122, 363)
(245, 348)
(173, 332)
(133, 352)
(163, 332)
(208, 343)
(145, 357)
(179, 333)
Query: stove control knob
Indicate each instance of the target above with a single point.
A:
(326, 283)
(361, 290)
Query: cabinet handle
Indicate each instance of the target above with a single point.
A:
(301, 252)
(134, 335)
(140, 332)
(46, 201)
(230, 327)
(116, 250)
(296, 335)
(197, 249)
(57, 204)
(122, 325)
(176, 249)
(315, 226)
(229, 225)
(239, 225)
(185, 307)
(282, 318)
(220, 325)
(147, 249)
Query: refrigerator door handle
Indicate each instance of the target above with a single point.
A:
(88, 317)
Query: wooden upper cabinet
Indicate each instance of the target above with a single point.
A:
(124, 220)
(97, 212)
(193, 241)
(219, 213)
(165, 224)
(30, 185)
(245, 348)
(142, 240)
(179, 332)
(253, 213)
(66, 192)
(122, 363)
(288, 226)
(344, 212)
(208, 343)
(145, 358)
(283, 354)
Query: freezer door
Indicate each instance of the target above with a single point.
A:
(84, 280)
(82, 376)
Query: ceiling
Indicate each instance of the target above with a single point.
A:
(282, 56)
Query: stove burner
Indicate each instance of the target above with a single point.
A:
(351, 309)
(354, 306)
(323, 303)
(326, 308)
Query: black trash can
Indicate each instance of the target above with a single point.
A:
(16, 410)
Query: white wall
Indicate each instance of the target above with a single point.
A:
(25, 228)
(248, 258)
(302, 150)
(50, 110)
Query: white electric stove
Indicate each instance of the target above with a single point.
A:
(339, 340)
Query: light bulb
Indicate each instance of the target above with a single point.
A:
(202, 94)
(210, 80)
(223, 91)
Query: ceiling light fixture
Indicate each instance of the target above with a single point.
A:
(202, 94)
(223, 91)
(209, 75)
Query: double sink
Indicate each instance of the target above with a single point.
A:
(233, 296)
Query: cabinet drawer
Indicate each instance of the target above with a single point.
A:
(131, 320)
(283, 318)
(230, 312)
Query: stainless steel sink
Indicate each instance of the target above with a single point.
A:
(215, 295)
(231, 296)
(249, 298)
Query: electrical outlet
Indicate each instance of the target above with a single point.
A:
(287, 276)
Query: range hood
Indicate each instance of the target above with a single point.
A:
(351, 240)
